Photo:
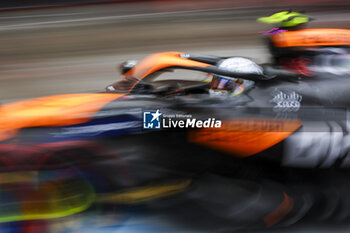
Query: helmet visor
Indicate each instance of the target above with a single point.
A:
(221, 83)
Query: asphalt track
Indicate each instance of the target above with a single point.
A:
(68, 50)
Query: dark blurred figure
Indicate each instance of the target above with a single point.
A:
(298, 48)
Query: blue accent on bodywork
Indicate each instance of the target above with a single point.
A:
(96, 128)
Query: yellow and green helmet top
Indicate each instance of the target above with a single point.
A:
(285, 19)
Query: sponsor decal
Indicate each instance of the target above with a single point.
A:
(157, 120)
(289, 102)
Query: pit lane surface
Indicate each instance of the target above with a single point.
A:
(78, 49)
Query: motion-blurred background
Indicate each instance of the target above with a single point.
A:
(50, 47)
(67, 46)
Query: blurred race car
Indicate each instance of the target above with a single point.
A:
(303, 50)
(241, 146)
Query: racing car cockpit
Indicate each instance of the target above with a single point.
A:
(224, 76)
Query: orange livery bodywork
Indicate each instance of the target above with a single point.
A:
(54, 110)
(246, 136)
(312, 37)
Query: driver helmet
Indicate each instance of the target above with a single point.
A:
(223, 85)
(286, 19)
